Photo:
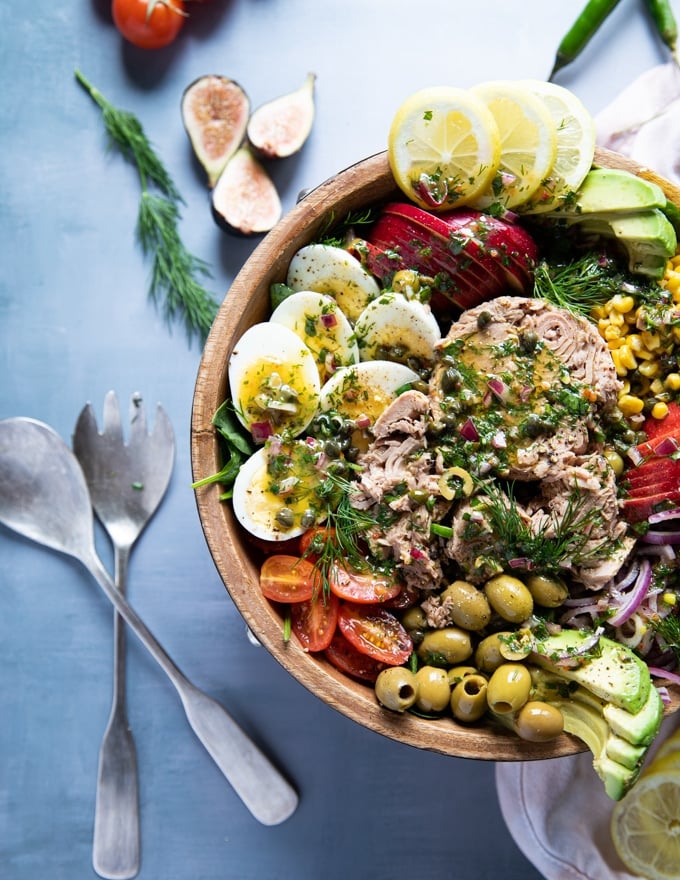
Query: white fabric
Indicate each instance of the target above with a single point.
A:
(557, 810)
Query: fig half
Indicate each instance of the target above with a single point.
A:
(245, 200)
(215, 113)
(280, 127)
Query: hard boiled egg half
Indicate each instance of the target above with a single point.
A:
(397, 328)
(318, 320)
(362, 392)
(274, 494)
(274, 381)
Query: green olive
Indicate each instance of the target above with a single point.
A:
(414, 618)
(488, 654)
(396, 688)
(517, 645)
(458, 673)
(509, 688)
(509, 598)
(469, 607)
(445, 647)
(539, 722)
(468, 698)
(547, 591)
(433, 689)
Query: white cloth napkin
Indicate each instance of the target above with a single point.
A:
(557, 810)
(559, 815)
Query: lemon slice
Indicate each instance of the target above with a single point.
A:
(443, 147)
(528, 142)
(575, 135)
(645, 826)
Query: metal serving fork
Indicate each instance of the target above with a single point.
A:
(127, 482)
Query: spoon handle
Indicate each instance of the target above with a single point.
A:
(262, 788)
(116, 839)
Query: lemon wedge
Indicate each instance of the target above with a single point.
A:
(528, 142)
(645, 825)
(575, 147)
(443, 147)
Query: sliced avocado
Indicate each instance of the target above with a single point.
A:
(613, 189)
(639, 728)
(648, 237)
(617, 778)
(623, 752)
(610, 670)
(672, 211)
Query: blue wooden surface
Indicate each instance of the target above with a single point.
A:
(75, 321)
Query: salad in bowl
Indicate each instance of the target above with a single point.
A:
(436, 430)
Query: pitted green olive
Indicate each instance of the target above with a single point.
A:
(547, 591)
(488, 652)
(509, 597)
(414, 618)
(469, 698)
(433, 689)
(458, 673)
(396, 688)
(509, 688)
(539, 722)
(468, 606)
(445, 647)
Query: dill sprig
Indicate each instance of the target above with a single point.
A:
(558, 542)
(175, 275)
(578, 285)
(669, 629)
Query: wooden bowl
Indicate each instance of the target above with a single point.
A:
(247, 302)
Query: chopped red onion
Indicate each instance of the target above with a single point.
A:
(499, 389)
(663, 515)
(632, 600)
(499, 440)
(667, 446)
(468, 431)
(663, 551)
(521, 562)
(658, 672)
(363, 421)
(661, 537)
(417, 553)
(261, 430)
(328, 320)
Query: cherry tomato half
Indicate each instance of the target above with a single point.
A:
(376, 632)
(314, 622)
(313, 540)
(365, 587)
(345, 657)
(149, 24)
(286, 578)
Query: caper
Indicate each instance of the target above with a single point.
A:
(488, 652)
(534, 426)
(528, 340)
(398, 352)
(451, 380)
(444, 647)
(405, 279)
(420, 385)
(433, 690)
(509, 688)
(483, 319)
(332, 449)
(419, 496)
(509, 597)
(539, 722)
(285, 518)
(382, 352)
(469, 698)
(468, 606)
(396, 688)
(352, 453)
(550, 592)
(308, 518)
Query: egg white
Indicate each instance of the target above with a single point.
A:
(394, 320)
(328, 269)
(365, 389)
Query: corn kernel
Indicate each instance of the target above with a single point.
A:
(651, 340)
(621, 369)
(621, 303)
(659, 410)
(627, 358)
(598, 313)
(616, 342)
(625, 387)
(612, 332)
(650, 369)
(656, 387)
(616, 318)
(669, 598)
(673, 282)
(672, 382)
(630, 405)
(635, 342)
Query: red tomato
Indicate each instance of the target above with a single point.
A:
(345, 657)
(376, 632)
(364, 587)
(314, 622)
(149, 24)
(308, 539)
(286, 578)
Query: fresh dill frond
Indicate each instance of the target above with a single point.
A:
(559, 540)
(335, 234)
(578, 285)
(175, 275)
(669, 629)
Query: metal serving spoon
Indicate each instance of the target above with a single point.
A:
(44, 496)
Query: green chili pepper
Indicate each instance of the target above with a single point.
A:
(581, 31)
(664, 21)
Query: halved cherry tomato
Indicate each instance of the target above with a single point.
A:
(286, 578)
(365, 587)
(149, 24)
(312, 540)
(314, 622)
(376, 632)
(345, 657)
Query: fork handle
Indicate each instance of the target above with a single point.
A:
(260, 785)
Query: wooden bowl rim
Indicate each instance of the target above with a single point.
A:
(366, 182)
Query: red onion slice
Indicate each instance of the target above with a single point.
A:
(632, 600)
